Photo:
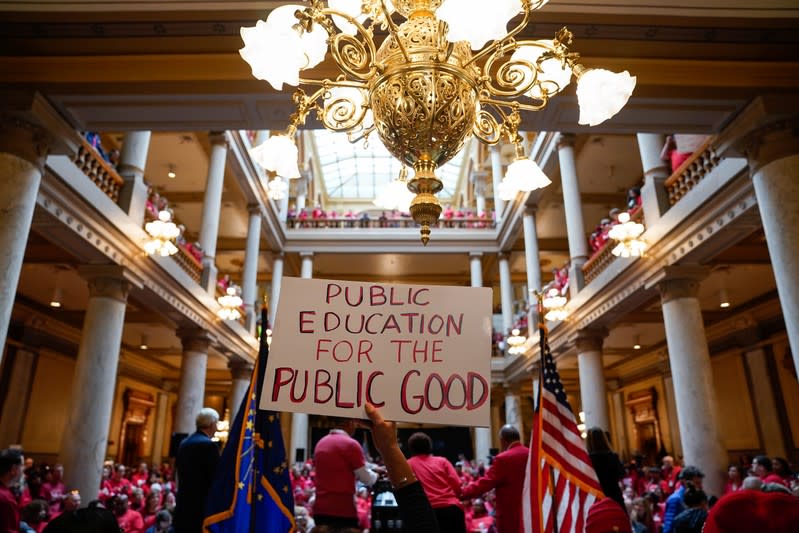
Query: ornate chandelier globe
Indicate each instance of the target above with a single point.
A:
(555, 305)
(452, 69)
(162, 233)
(230, 304)
(277, 188)
(627, 234)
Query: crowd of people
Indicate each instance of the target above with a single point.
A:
(317, 217)
(141, 499)
(340, 489)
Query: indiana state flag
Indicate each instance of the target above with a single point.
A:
(251, 489)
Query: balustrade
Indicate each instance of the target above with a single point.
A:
(691, 172)
(98, 170)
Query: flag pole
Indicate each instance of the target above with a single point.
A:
(542, 342)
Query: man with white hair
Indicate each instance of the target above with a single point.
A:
(197, 458)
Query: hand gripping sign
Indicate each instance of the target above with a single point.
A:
(420, 353)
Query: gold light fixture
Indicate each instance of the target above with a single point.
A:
(162, 233)
(230, 303)
(449, 71)
(55, 301)
(555, 305)
(516, 342)
(627, 234)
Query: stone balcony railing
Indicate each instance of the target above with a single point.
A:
(372, 223)
(98, 170)
(691, 172)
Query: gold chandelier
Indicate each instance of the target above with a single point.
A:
(432, 83)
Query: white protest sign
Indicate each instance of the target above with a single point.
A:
(419, 353)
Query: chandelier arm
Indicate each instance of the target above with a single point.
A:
(486, 127)
(526, 6)
(394, 31)
(305, 104)
(354, 57)
(510, 77)
(333, 83)
(511, 105)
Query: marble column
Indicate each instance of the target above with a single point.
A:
(302, 192)
(83, 448)
(532, 264)
(241, 372)
(572, 206)
(765, 403)
(479, 180)
(506, 292)
(694, 393)
(132, 160)
(23, 150)
(249, 282)
(619, 422)
(306, 267)
(160, 430)
(496, 421)
(776, 182)
(193, 366)
(299, 421)
(513, 411)
(277, 279)
(654, 197)
(496, 176)
(212, 206)
(593, 391)
(482, 436)
(15, 405)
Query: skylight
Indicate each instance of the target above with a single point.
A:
(360, 171)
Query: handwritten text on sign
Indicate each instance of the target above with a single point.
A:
(420, 353)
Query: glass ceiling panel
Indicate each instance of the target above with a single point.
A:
(361, 171)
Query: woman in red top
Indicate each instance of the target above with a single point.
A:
(734, 479)
(440, 482)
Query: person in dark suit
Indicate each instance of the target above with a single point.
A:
(197, 458)
(506, 475)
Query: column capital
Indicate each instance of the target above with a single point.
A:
(764, 131)
(566, 139)
(590, 339)
(503, 256)
(240, 369)
(306, 255)
(678, 281)
(476, 255)
(195, 339)
(254, 210)
(530, 210)
(218, 138)
(512, 389)
(109, 281)
(24, 140)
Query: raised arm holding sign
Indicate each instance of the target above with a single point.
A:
(420, 353)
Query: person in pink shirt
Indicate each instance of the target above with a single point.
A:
(735, 480)
(479, 520)
(140, 476)
(439, 481)
(339, 462)
(506, 476)
(118, 484)
(53, 490)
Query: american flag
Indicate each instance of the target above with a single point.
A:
(560, 482)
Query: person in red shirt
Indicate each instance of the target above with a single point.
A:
(140, 476)
(735, 480)
(118, 484)
(53, 491)
(479, 520)
(130, 521)
(506, 476)
(671, 473)
(339, 461)
(763, 469)
(11, 473)
(439, 481)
